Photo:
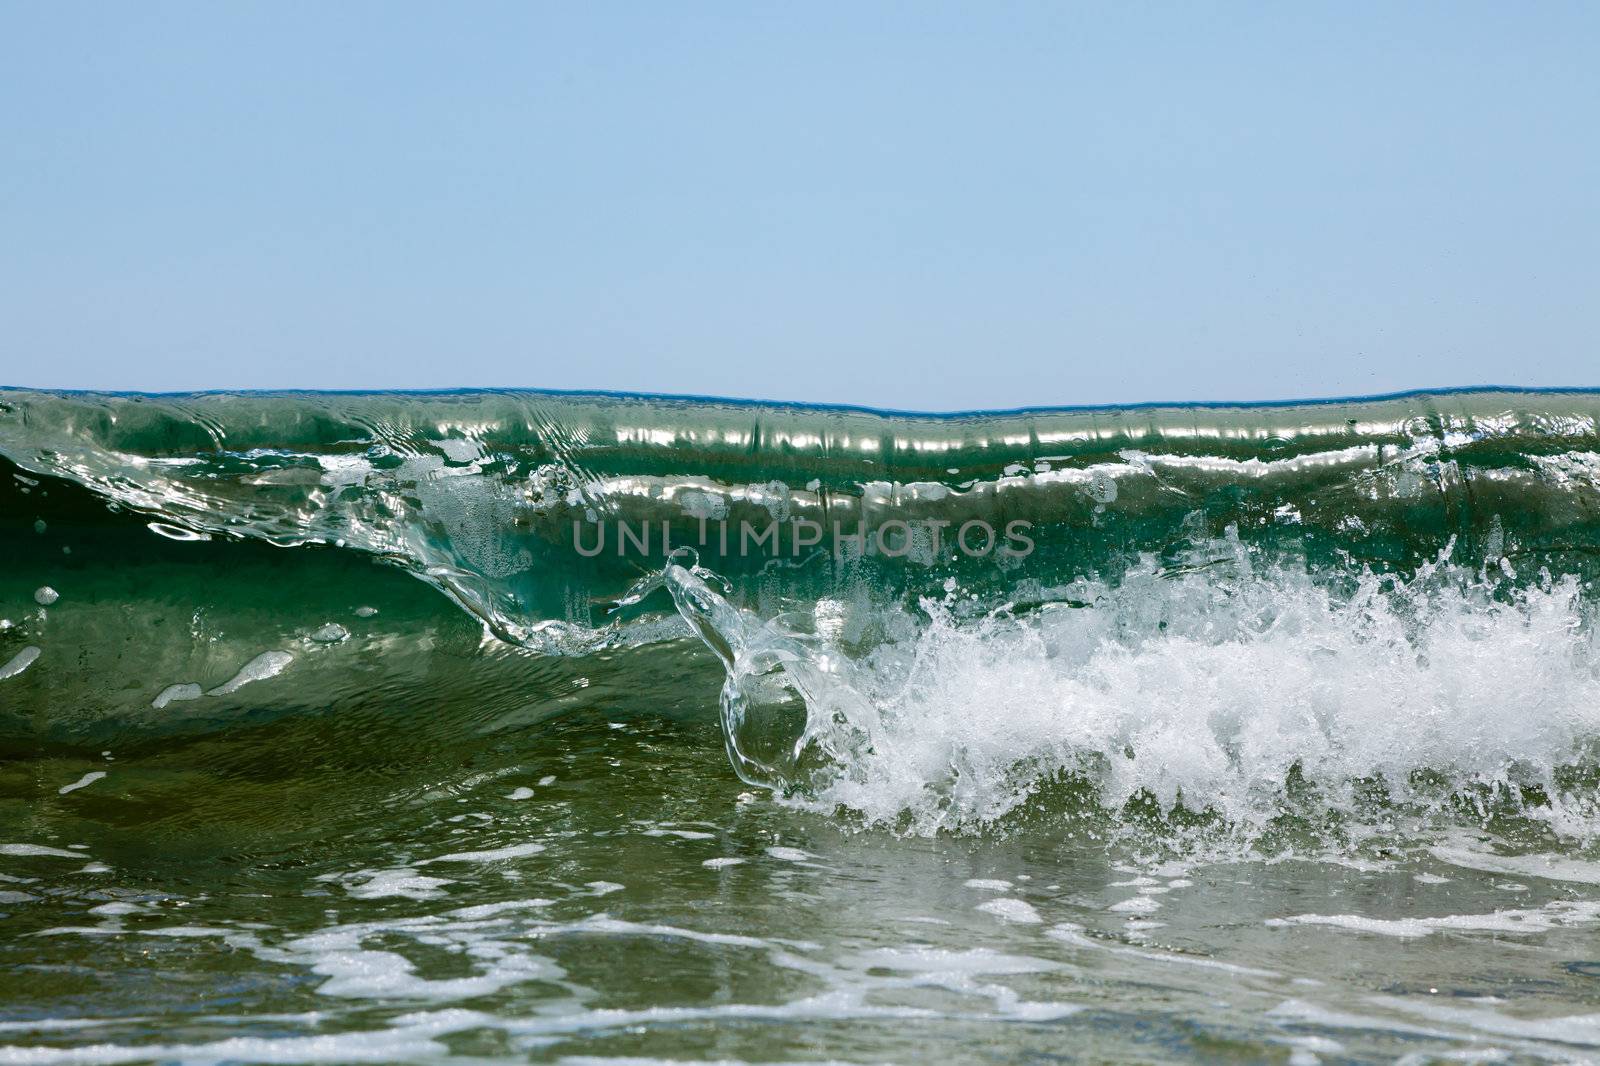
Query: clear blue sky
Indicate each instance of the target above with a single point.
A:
(911, 205)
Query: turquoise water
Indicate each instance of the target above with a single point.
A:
(391, 727)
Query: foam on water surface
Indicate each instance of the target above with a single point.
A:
(37, 849)
(1563, 913)
(1011, 910)
(267, 664)
(510, 851)
(176, 694)
(19, 662)
(83, 782)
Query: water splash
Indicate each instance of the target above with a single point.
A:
(1238, 690)
(791, 717)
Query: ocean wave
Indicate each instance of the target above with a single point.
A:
(926, 623)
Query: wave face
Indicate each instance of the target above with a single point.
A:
(1217, 617)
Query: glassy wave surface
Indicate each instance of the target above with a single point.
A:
(540, 725)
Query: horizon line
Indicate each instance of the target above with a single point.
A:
(804, 405)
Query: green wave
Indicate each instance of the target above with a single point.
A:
(500, 499)
(929, 622)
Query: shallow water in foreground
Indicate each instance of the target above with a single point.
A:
(1285, 756)
(384, 890)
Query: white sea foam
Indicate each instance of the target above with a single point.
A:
(39, 850)
(267, 664)
(175, 694)
(512, 851)
(1536, 920)
(1136, 905)
(1582, 1030)
(1549, 867)
(1205, 687)
(1012, 910)
(681, 834)
(403, 883)
(19, 662)
(393, 1045)
(980, 962)
(87, 779)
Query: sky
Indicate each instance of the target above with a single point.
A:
(911, 205)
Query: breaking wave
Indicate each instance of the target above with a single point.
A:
(1342, 619)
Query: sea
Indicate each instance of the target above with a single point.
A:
(521, 726)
